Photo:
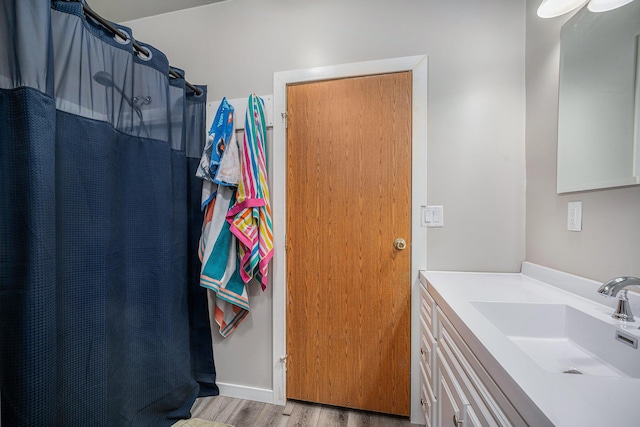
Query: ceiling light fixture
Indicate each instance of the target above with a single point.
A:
(604, 5)
(553, 8)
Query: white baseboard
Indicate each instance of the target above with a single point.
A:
(245, 392)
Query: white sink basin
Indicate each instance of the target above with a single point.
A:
(561, 339)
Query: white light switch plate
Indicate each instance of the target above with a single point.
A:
(432, 216)
(574, 216)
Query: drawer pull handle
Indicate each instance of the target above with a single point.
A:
(422, 351)
(456, 421)
(421, 402)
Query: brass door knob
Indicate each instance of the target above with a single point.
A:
(400, 244)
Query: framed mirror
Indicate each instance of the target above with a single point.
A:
(599, 100)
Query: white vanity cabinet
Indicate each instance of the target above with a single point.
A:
(456, 390)
(490, 355)
(427, 356)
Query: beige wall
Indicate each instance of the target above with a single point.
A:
(476, 118)
(609, 243)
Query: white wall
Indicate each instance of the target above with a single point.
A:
(476, 166)
(609, 243)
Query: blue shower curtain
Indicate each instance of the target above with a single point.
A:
(102, 320)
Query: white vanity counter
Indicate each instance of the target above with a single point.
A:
(541, 396)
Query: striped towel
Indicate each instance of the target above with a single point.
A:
(220, 272)
(250, 217)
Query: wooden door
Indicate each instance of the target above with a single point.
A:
(348, 200)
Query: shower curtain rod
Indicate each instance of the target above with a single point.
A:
(86, 9)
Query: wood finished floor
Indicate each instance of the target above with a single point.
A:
(247, 413)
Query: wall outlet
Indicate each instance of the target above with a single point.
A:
(574, 216)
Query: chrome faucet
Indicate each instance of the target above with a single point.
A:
(617, 286)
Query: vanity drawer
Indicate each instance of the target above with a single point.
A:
(427, 308)
(427, 399)
(490, 405)
(427, 354)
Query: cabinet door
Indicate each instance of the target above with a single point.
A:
(454, 409)
(448, 409)
(476, 384)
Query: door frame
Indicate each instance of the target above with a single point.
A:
(418, 66)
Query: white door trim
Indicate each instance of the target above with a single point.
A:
(418, 65)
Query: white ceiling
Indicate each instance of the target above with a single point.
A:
(128, 10)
